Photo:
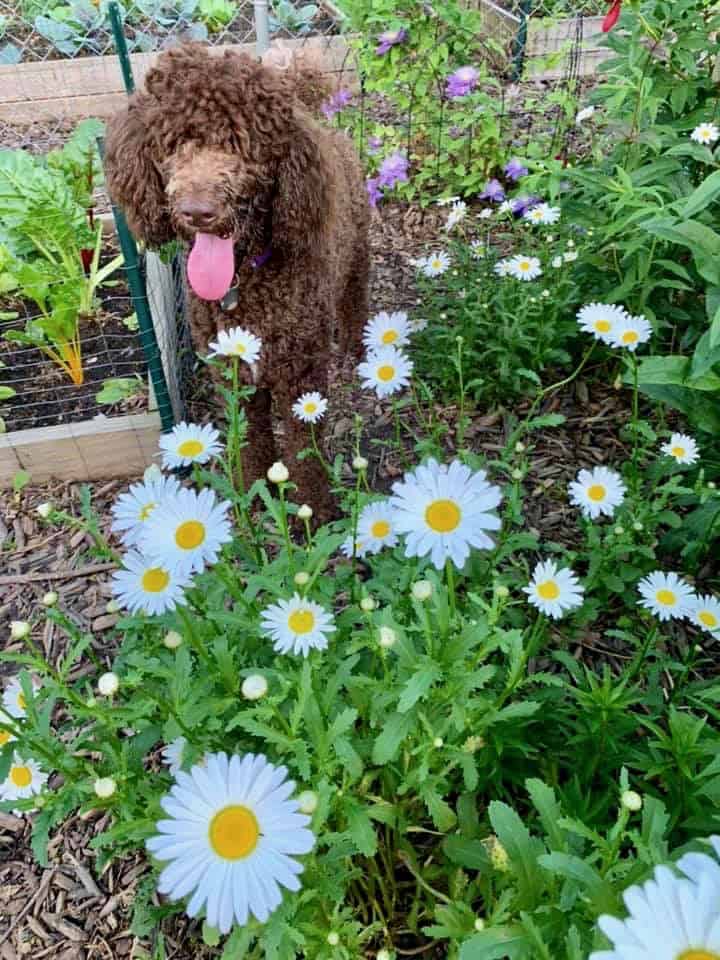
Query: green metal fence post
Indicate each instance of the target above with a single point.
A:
(121, 46)
(520, 43)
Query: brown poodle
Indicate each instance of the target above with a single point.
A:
(223, 151)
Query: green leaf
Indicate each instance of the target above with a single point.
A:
(360, 829)
(470, 854)
(566, 865)
(6, 393)
(523, 851)
(417, 686)
(394, 731)
(210, 935)
(443, 816)
(118, 389)
(497, 943)
(702, 197)
(546, 804)
(20, 480)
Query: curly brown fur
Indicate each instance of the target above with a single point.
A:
(228, 146)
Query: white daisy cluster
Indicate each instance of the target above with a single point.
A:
(386, 368)
(543, 214)
(669, 597)
(520, 267)
(25, 778)
(613, 325)
(706, 134)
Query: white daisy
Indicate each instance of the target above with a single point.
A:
(524, 268)
(706, 133)
(145, 586)
(131, 509)
(386, 371)
(376, 527)
(447, 201)
(435, 264)
(543, 213)
(298, 625)
(189, 443)
(417, 324)
(230, 839)
(601, 320)
(346, 548)
(458, 212)
(671, 918)
(486, 213)
(5, 734)
(478, 249)
(705, 612)
(557, 262)
(570, 256)
(445, 509)
(13, 699)
(502, 268)
(554, 591)
(387, 330)
(236, 342)
(172, 755)
(186, 531)
(630, 332)
(25, 779)
(584, 114)
(597, 491)
(665, 595)
(694, 865)
(682, 448)
(310, 407)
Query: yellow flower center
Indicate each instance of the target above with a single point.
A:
(524, 265)
(381, 528)
(390, 336)
(602, 326)
(443, 516)
(549, 590)
(301, 621)
(4, 737)
(190, 448)
(630, 336)
(310, 407)
(234, 832)
(678, 452)
(190, 534)
(21, 776)
(597, 492)
(239, 349)
(666, 597)
(708, 619)
(436, 264)
(698, 955)
(386, 372)
(154, 580)
(21, 701)
(146, 511)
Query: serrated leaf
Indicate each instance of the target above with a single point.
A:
(361, 830)
(599, 890)
(547, 806)
(497, 943)
(468, 853)
(394, 731)
(522, 850)
(417, 686)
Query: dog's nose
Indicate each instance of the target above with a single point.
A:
(197, 212)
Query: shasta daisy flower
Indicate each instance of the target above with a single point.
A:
(597, 491)
(146, 586)
(434, 264)
(458, 212)
(554, 591)
(189, 443)
(630, 332)
(682, 448)
(376, 527)
(478, 249)
(502, 268)
(705, 613)
(444, 510)
(386, 371)
(172, 755)
(665, 595)
(131, 509)
(310, 407)
(543, 213)
(387, 330)
(230, 838)
(694, 865)
(24, 779)
(347, 549)
(706, 133)
(524, 268)
(186, 531)
(13, 700)
(297, 625)
(601, 320)
(236, 342)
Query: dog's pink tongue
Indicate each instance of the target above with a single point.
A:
(211, 266)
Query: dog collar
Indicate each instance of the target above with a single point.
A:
(231, 299)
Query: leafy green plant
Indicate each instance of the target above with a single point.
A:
(286, 16)
(217, 14)
(118, 389)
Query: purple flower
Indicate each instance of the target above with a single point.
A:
(390, 38)
(462, 82)
(337, 102)
(393, 169)
(455, 133)
(493, 191)
(374, 144)
(514, 170)
(521, 205)
(374, 194)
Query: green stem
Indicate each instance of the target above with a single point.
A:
(284, 524)
(195, 640)
(316, 450)
(450, 575)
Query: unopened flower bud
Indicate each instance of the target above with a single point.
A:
(388, 637)
(44, 509)
(278, 473)
(498, 856)
(301, 578)
(631, 800)
(473, 744)
(333, 938)
(479, 924)
(254, 687)
(438, 742)
(383, 954)
(517, 474)
(307, 802)
(367, 604)
(519, 446)
(50, 598)
(108, 684)
(104, 787)
(19, 629)
(619, 531)
(305, 512)
(422, 590)
(711, 485)
(172, 640)
(359, 464)
(637, 526)
(501, 591)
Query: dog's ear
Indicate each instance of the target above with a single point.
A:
(301, 207)
(133, 181)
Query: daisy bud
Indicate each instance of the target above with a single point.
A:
(617, 383)
(367, 604)
(517, 474)
(301, 578)
(438, 742)
(550, 237)
(305, 512)
(44, 509)
(333, 938)
(711, 484)
(108, 684)
(308, 802)
(637, 526)
(383, 954)
(545, 294)
(50, 598)
(422, 590)
(619, 531)
(498, 856)
(112, 606)
(278, 473)
(172, 639)
(570, 243)
(254, 687)
(473, 744)
(152, 474)
(519, 446)
(19, 629)
(631, 800)
(104, 787)
(502, 592)
(359, 464)
(388, 637)
(479, 924)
